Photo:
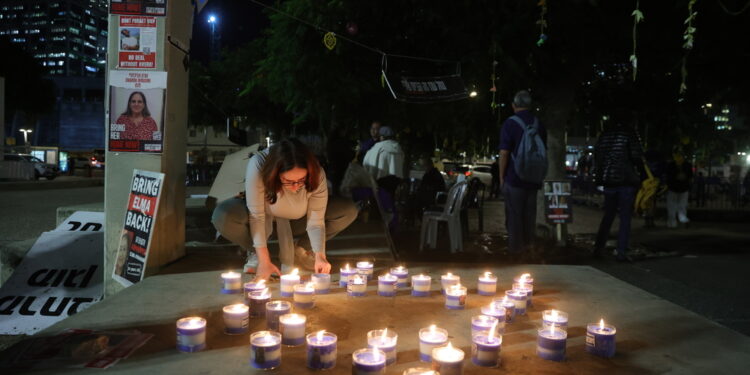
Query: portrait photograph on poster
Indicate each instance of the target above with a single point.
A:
(136, 119)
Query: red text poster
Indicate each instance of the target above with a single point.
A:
(135, 240)
(138, 7)
(136, 111)
(137, 43)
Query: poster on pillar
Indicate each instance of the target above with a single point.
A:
(61, 275)
(137, 43)
(136, 110)
(558, 209)
(135, 239)
(138, 7)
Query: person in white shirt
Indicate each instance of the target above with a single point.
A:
(285, 184)
(385, 158)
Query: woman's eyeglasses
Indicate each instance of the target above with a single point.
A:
(300, 183)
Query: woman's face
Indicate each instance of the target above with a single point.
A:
(293, 179)
(136, 104)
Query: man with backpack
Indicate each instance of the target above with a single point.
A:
(523, 166)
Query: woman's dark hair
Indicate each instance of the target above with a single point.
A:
(145, 112)
(284, 156)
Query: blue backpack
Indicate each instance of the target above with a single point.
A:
(530, 159)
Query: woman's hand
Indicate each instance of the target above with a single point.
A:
(321, 264)
(265, 270)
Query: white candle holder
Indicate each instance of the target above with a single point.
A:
(487, 284)
(403, 276)
(449, 280)
(345, 274)
(322, 282)
(430, 338)
(191, 334)
(481, 323)
(292, 329)
(236, 319)
(288, 282)
(385, 340)
(455, 297)
(304, 296)
(387, 285)
(556, 317)
(448, 360)
(528, 288)
(485, 349)
(231, 283)
(519, 300)
(357, 286)
(497, 311)
(365, 269)
(420, 285)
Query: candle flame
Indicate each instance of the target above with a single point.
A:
(601, 324)
(449, 274)
(384, 335)
(375, 355)
(265, 292)
(525, 276)
(488, 275)
(309, 285)
(387, 275)
(261, 283)
(552, 329)
(432, 329)
(320, 334)
(294, 271)
(554, 315)
(346, 266)
(493, 330)
(400, 268)
(449, 346)
(505, 299)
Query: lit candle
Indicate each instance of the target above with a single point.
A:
(265, 350)
(387, 285)
(321, 350)
(448, 360)
(600, 339)
(252, 286)
(368, 362)
(526, 279)
(487, 285)
(288, 282)
(449, 279)
(365, 269)
(528, 288)
(420, 371)
(420, 285)
(485, 349)
(481, 323)
(357, 286)
(385, 340)
(556, 317)
(497, 311)
(455, 297)
(191, 334)
(236, 318)
(519, 300)
(258, 300)
(346, 273)
(304, 296)
(292, 328)
(274, 309)
(403, 275)
(430, 338)
(322, 282)
(550, 343)
(231, 282)
(510, 308)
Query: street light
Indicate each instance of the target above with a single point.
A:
(212, 20)
(26, 137)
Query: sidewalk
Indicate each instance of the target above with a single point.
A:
(61, 182)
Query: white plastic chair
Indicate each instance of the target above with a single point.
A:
(451, 214)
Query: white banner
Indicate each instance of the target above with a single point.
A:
(61, 275)
(84, 221)
(134, 79)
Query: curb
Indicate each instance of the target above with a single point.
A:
(48, 185)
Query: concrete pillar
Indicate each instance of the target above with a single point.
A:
(2, 118)
(168, 239)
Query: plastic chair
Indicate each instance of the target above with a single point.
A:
(451, 214)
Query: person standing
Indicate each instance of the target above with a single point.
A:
(679, 177)
(385, 163)
(495, 181)
(367, 144)
(617, 160)
(522, 137)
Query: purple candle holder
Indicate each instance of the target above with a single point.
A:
(321, 350)
(600, 339)
(274, 310)
(386, 341)
(550, 344)
(420, 285)
(403, 276)
(430, 338)
(387, 285)
(485, 349)
(487, 284)
(346, 273)
(191, 334)
(519, 300)
(496, 310)
(265, 350)
(258, 300)
(368, 362)
(322, 283)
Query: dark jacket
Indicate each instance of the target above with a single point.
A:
(679, 176)
(618, 159)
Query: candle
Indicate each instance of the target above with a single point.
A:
(236, 318)
(252, 286)
(304, 296)
(430, 338)
(480, 323)
(510, 308)
(485, 348)
(527, 288)
(322, 282)
(191, 334)
(288, 282)
(550, 343)
(368, 362)
(387, 285)
(449, 279)
(487, 285)
(385, 340)
(525, 279)
(274, 309)
(420, 285)
(497, 311)
(556, 317)
(258, 300)
(265, 350)
(420, 371)
(365, 269)
(292, 328)
(321, 350)
(231, 282)
(600, 339)
(448, 360)
(346, 273)
(455, 297)
(357, 286)
(518, 297)
(403, 275)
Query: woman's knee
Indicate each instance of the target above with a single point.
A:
(342, 209)
(228, 213)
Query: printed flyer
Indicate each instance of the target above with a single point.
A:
(137, 43)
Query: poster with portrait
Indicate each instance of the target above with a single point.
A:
(140, 216)
(558, 209)
(136, 43)
(136, 111)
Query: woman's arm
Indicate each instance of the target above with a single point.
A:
(256, 205)
(316, 227)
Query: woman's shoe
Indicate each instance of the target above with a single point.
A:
(251, 265)
(304, 258)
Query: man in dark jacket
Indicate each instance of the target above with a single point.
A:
(617, 160)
